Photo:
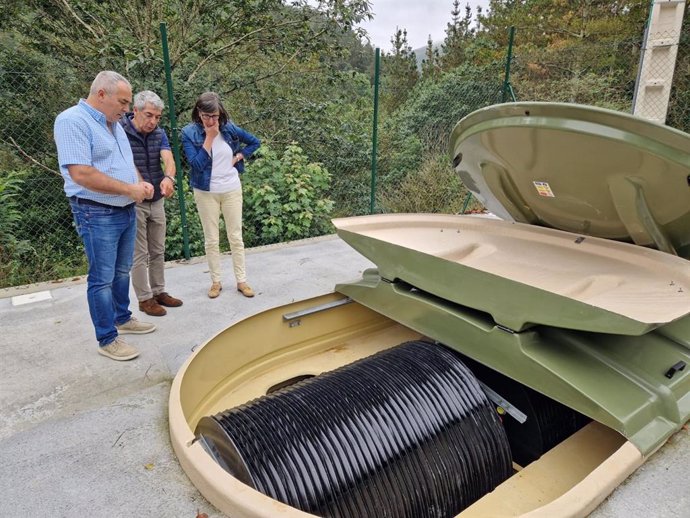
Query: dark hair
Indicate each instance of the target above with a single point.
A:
(209, 102)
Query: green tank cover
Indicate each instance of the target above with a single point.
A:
(556, 293)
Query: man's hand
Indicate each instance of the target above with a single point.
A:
(168, 183)
(149, 190)
(94, 180)
(167, 186)
(141, 191)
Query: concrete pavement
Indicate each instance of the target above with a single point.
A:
(82, 435)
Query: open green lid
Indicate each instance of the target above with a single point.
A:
(524, 274)
(580, 169)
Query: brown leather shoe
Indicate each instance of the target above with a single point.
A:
(245, 290)
(166, 300)
(214, 290)
(151, 307)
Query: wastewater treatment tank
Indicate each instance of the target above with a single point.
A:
(521, 366)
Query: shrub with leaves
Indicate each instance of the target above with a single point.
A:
(10, 215)
(174, 241)
(12, 247)
(434, 188)
(434, 108)
(285, 198)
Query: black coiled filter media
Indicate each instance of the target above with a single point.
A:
(407, 432)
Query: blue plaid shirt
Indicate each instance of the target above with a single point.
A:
(82, 138)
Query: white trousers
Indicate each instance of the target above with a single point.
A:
(210, 206)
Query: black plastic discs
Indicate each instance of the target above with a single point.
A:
(406, 433)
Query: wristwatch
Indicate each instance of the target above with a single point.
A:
(172, 178)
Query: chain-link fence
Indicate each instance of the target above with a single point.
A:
(284, 192)
(413, 174)
(594, 68)
(37, 239)
(603, 69)
(599, 72)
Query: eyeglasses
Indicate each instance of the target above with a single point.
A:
(209, 117)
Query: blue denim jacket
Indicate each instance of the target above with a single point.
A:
(193, 136)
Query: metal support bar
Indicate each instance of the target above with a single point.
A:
(316, 309)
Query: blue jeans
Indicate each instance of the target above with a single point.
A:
(108, 235)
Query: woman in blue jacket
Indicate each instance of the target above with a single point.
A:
(215, 150)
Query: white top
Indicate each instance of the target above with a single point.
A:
(224, 176)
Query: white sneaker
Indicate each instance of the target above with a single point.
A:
(134, 327)
(118, 350)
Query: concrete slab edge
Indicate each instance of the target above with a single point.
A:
(81, 279)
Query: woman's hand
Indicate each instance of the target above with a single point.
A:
(237, 158)
(212, 130)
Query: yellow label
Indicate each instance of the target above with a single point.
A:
(544, 189)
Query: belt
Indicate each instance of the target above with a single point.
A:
(86, 201)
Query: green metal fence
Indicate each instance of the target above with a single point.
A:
(414, 171)
(37, 238)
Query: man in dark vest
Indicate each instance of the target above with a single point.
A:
(156, 165)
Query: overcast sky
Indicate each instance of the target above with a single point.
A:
(419, 17)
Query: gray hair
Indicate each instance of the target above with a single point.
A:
(148, 97)
(108, 81)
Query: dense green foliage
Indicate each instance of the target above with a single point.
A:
(298, 75)
(174, 243)
(287, 71)
(287, 196)
(10, 215)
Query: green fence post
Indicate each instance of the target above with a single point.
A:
(506, 81)
(175, 141)
(645, 37)
(377, 67)
(467, 202)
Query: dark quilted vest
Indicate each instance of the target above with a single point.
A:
(147, 154)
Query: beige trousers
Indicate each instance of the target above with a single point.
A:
(148, 278)
(210, 206)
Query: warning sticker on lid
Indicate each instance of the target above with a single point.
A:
(544, 189)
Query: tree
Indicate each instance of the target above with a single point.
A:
(583, 51)
(41, 242)
(358, 56)
(433, 108)
(400, 72)
(211, 42)
(679, 106)
(430, 63)
(458, 35)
